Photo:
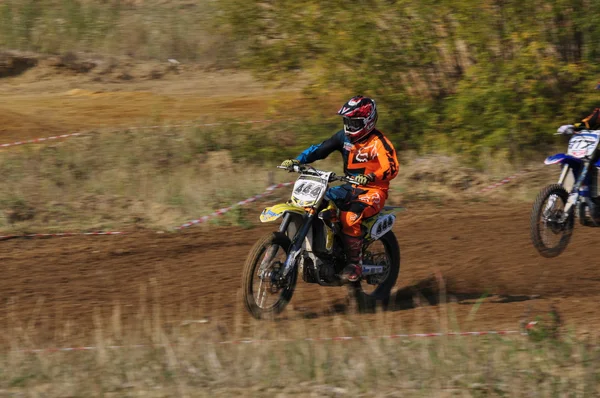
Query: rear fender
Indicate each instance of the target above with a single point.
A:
(380, 224)
(273, 213)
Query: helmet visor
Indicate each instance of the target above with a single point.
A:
(353, 124)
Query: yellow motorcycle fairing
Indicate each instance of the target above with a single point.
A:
(272, 213)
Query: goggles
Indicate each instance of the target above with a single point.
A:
(354, 124)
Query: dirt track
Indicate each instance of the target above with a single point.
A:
(53, 287)
(478, 249)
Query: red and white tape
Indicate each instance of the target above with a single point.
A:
(502, 182)
(224, 210)
(307, 339)
(56, 137)
(61, 234)
(40, 140)
(389, 336)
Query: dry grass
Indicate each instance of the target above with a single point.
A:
(104, 180)
(162, 178)
(157, 358)
(440, 178)
(146, 30)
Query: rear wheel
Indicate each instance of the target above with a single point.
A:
(383, 252)
(265, 292)
(549, 234)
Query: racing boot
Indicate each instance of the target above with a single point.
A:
(353, 270)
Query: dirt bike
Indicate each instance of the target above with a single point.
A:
(555, 209)
(309, 244)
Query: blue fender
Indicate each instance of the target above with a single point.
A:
(563, 158)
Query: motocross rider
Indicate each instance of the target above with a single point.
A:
(370, 158)
(592, 122)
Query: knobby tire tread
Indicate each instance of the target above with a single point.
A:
(382, 292)
(250, 266)
(536, 212)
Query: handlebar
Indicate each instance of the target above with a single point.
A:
(332, 177)
(574, 132)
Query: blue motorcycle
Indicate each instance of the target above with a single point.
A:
(556, 206)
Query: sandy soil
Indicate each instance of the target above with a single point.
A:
(54, 98)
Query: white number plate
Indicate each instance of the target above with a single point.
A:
(308, 192)
(383, 224)
(583, 145)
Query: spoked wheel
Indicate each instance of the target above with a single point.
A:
(384, 252)
(549, 233)
(265, 293)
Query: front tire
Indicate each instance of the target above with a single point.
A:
(549, 236)
(367, 294)
(267, 258)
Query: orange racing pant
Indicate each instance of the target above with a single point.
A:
(355, 205)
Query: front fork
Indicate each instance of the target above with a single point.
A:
(574, 195)
(561, 182)
(297, 242)
(273, 249)
(563, 174)
(295, 248)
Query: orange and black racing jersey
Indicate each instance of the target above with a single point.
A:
(374, 155)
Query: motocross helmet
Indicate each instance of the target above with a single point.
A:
(360, 117)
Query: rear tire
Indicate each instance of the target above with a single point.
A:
(549, 237)
(367, 300)
(254, 296)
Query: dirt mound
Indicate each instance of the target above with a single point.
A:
(13, 64)
(95, 68)
(443, 172)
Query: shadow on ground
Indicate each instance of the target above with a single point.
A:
(427, 292)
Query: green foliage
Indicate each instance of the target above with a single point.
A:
(453, 75)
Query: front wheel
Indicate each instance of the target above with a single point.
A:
(549, 232)
(265, 292)
(383, 252)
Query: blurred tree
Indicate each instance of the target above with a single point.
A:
(458, 75)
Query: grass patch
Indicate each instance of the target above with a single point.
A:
(188, 359)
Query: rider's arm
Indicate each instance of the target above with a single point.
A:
(324, 149)
(388, 161)
(590, 122)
